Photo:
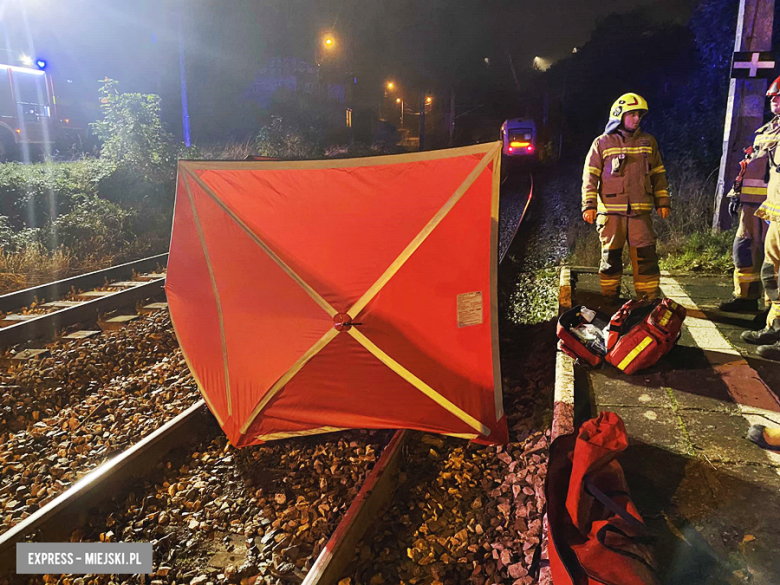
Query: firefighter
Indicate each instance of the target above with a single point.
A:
(765, 149)
(747, 194)
(623, 180)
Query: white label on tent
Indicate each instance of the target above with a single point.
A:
(470, 309)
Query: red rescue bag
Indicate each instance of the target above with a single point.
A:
(634, 348)
(595, 533)
(635, 338)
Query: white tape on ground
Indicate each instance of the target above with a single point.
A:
(757, 403)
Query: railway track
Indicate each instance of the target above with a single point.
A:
(41, 313)
(167, 489)
(517, 191)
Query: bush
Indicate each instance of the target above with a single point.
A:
(91, 220)
(32, 195)
(291, 141)
(361, 149)
(133, 135)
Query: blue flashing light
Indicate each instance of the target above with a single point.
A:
(41, 64)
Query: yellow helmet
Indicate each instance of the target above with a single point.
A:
(628, 102)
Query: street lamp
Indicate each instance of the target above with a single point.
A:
(400, 101)
(389, 86)
(327, 45)
(428, 100)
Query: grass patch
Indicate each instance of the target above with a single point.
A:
(534, 298)
(700, 252)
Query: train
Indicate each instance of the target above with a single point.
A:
(518, 136)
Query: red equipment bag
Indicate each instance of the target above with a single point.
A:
(634, 347)
(591, 351)
(595, 533)
(635, 338)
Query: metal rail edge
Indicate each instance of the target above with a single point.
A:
(54, 291)
(56, 520)
(375, 494)
(47, 325)
(520, 221)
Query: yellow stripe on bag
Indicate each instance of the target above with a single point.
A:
(665, 318)
(635, 352)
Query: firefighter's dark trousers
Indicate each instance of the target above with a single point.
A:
(748, 253)
(617, 230)
(770, 269)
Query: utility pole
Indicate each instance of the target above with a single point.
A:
(422, 121)
(185, 111)
(745, 109)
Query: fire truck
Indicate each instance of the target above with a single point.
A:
(26, 109)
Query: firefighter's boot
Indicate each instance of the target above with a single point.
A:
(737, 305)
(770, 352)
(767, 336)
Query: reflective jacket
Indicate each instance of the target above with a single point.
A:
(624, 175)
(764, 157)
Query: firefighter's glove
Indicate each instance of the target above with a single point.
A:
(663, 212)
(589, 215)
(734, 204)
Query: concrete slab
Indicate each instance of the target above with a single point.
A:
(24, 356)
(152, 307)
(115, 323)
(616, 389)
(61, 304)
(15, 318)
(657, 426)
(91, 295)
(721, 437)
(150, 276)
(79, 335)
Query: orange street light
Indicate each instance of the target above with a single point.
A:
(329, 42)
(428, 100)
(398, 100)
(390, 85)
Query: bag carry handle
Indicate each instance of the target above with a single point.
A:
(601, 536)
(616, 322)
(611, 505)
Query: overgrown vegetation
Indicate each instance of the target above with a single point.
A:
(64, 218)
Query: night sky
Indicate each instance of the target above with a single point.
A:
(421, 44)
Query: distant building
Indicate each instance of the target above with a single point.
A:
(293, 75)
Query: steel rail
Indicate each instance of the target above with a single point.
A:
(520, 221)
(373, 498)
(56, 520)
(57, 290)
(46, 326)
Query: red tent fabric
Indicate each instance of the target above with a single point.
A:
(271, 263)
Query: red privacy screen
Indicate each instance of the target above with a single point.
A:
(310, 297)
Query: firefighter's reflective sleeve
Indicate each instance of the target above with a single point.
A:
(658, 178)
(591, 177)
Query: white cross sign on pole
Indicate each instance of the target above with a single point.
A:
(753, 65)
